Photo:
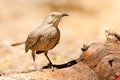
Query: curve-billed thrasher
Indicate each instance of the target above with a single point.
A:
(45, 37)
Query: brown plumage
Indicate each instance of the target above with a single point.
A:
(46, 36)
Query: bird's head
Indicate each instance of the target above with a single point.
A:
(54, 18)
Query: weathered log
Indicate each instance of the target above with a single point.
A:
(104, 57)
(109, 67)
(96, 51)
(112, 36)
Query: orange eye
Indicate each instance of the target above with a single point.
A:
(52, 15)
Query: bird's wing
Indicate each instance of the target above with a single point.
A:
(31, 40)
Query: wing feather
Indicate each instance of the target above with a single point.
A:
(31, 40)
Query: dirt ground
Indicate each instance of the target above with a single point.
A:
(86, 24)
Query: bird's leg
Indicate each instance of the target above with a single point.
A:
(51, 65)
(33, 56)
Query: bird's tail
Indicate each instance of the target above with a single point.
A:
(18, 43)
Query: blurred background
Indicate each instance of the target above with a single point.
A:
(86, 24)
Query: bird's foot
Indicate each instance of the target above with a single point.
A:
(51, 66)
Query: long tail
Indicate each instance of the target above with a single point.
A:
(17, 44)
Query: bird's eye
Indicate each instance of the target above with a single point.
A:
(52, 15)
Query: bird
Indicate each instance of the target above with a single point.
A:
(45, 37)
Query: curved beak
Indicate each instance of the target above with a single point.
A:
(64, 14)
